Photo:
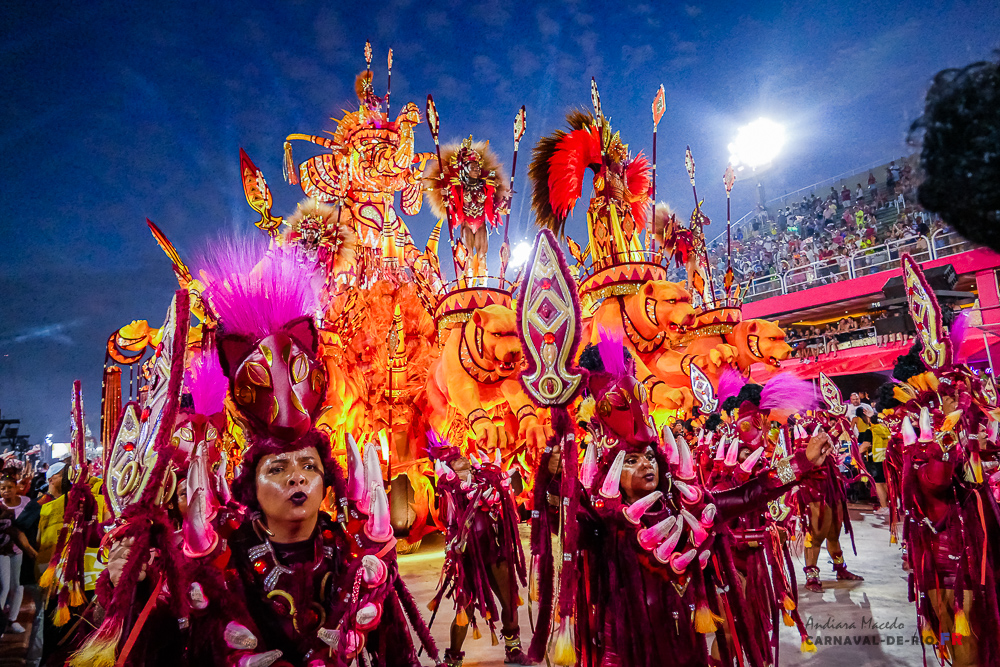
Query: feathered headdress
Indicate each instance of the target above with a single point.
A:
(438, 180)
(560, 160)
(333, 229)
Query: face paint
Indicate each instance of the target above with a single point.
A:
(640, 474)
(290, 485)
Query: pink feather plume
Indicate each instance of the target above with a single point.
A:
(255, 291)
(730, 383)
(207, 384)
(789, 393)
(612, 351)
(958, 330)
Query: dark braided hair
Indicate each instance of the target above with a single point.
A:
(713, 422)
(959, 135)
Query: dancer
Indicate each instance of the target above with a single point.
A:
(483, 556)
(471, 191)
(949, 513)
(649, 569)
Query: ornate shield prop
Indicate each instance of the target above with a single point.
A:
(137, 470)
(548, 314)
(831, 394)
(703, 390)
(926, 315)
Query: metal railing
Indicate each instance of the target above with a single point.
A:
(862, 262)
(833, 342)
(946, 242)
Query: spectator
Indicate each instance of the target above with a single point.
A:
(11, 590)
(855, 403)
(872, 186)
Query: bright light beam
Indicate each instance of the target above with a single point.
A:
(757, 143)
(520, 254)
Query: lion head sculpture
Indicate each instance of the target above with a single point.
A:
(760, 341)
(661, 307)
(490, 343)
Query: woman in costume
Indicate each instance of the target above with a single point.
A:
(296, 587)
(822, 502)
(648, 567)
(948, 512)
(759, 540)
(484, 562)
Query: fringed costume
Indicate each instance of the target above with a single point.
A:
(483, 556)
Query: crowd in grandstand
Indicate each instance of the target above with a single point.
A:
(817, 240)
(812, 341)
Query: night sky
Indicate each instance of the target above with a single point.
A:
(111, 113)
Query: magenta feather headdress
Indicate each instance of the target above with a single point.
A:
(789, 393)
(730, 383)
(959, 328)
(255, 291)
(207, 383)
(611, 347)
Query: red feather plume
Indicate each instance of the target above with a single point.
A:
(638, 182)
(575, 152)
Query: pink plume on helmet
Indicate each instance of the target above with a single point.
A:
(788, 393)
(255, 291)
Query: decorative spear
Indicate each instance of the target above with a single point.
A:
(728, 179)
(388, 85)
(519, 127)
(659, 107)
(595, 98)
(697, 218)
(433, 122)
(368, 55)
(549, 327)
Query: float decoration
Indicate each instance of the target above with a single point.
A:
(258, 195)
(618, 211)
(371, 158)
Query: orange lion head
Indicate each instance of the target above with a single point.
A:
(493, 341)
(662, 306)
(763, 341)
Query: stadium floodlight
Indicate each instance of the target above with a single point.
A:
(520, 255)
(757, 143)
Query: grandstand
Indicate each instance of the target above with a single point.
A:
(822, 265)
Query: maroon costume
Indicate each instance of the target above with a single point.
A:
(648, 574)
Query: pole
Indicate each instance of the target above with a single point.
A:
(519, 127)
(659, 106)
(433, 121)
(388, 85)
(989, 357)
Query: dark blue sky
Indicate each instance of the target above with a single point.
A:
(113, 112)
